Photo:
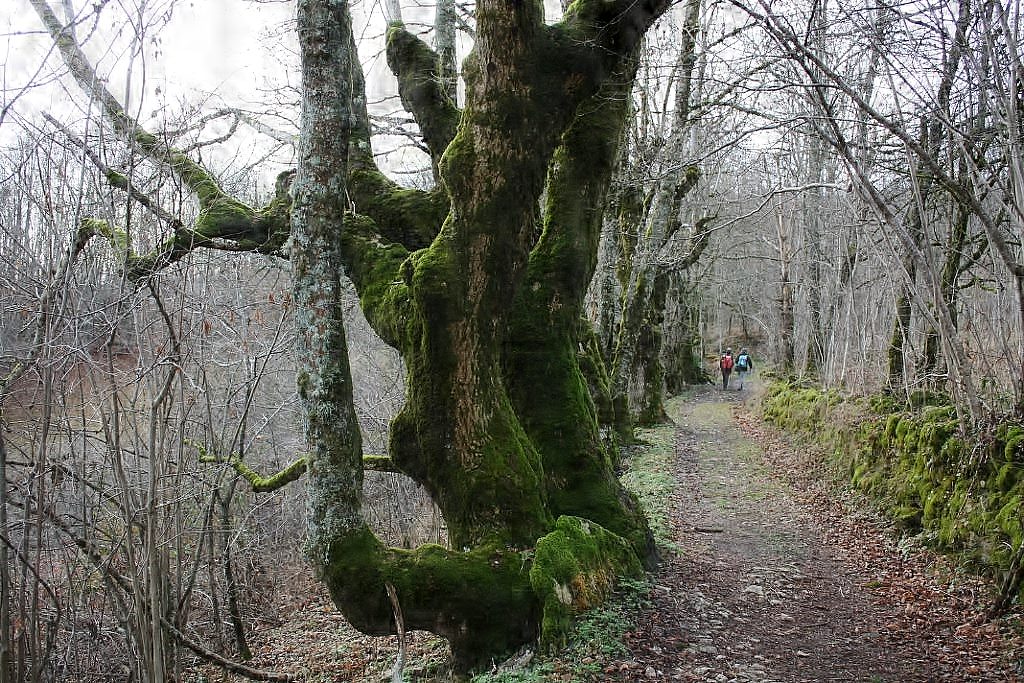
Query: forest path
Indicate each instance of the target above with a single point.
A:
(778, 579)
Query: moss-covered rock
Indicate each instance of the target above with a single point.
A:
(962, 491)
(574, 568)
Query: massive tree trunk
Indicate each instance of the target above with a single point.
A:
(546, 342)
(498, 424)
(484, 308)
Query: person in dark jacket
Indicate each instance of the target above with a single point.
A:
(743, 365)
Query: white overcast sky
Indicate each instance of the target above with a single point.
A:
(195, 54)
(192, 55)
(189, 48)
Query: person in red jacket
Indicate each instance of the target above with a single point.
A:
(725, 365)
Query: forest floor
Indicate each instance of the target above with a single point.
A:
(771, 574)
(780, 575)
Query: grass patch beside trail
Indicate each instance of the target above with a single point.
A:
(597, 636)
(723, 438)
(650, 476)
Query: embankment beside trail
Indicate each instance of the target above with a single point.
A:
(961, 493)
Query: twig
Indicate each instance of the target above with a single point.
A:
(1011, 585)
(223, 662)
(116, 578)
(396, 672)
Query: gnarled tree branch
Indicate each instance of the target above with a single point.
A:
(259, 483)
(223, 222)
(421, 88)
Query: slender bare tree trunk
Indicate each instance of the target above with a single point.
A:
(6, 661)
(787, 317)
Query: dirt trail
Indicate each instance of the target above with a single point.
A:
(776, 578)
(775, 581)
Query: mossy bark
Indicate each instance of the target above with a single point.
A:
(480, 599)
(453, 593)
(498, 423)
(486, 317)
(652, 407)
(441, 277)
(451, 309)
(681, 349)
(425, 86)
(653, 245)
(574, 568)
(625, 207)
(545, 341)
(638, 365)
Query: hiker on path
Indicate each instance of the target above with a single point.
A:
(725, 365)
(743, 365)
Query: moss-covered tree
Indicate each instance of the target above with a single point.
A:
(478, 288)
(655, 247)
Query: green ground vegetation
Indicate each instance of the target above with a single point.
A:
(650, 477)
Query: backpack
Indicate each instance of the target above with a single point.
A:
(743, 362)
(726, 362)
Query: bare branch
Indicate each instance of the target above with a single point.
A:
(192, 174)
(117, 179)
(110, 573)
(223, 221)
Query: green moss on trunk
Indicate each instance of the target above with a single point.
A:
(447, 296)
(404, 216)
(481, 601)
(421, 88)
(575, 567)
(647, 358)
(542, 349)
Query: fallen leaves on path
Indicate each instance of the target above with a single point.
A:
(936, 608)
(782, 577)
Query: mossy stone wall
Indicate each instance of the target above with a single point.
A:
(961, 492)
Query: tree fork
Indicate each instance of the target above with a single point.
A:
(421, 88)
